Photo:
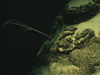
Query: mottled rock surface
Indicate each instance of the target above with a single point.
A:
(73, 55)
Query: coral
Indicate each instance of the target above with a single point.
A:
(26, 27)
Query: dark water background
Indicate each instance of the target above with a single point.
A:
(19, 51)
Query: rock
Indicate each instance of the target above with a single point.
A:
(67, 41)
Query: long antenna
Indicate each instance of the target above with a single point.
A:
(26, 27)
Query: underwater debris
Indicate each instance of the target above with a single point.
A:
(26, 27)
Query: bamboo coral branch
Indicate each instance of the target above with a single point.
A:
(26, 27)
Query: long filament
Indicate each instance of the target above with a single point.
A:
(26, 27)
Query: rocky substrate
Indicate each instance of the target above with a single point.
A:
(74, 54)
(67, 41)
